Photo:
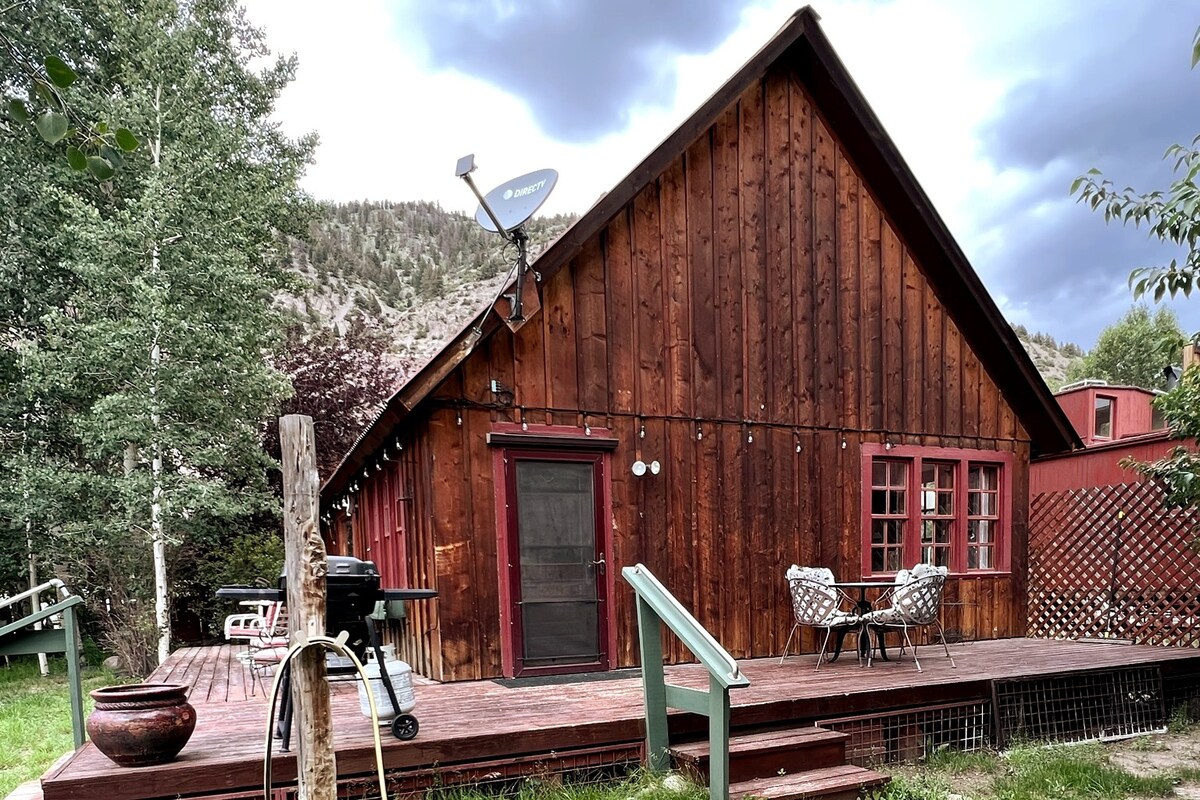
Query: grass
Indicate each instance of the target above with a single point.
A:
(640, 785)
(1067, 772)
(35, 717)
(1030, 772)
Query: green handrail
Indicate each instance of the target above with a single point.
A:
(656, 606)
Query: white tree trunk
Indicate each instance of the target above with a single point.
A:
(35, 600)
(162, 617)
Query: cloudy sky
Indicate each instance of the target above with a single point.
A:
(997, 107)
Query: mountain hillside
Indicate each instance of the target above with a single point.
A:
(421, 273)
(1052, 359)
(410, 268)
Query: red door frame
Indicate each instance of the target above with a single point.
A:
(508, 553)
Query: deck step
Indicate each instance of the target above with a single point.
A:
(846, 782)
(759, 755)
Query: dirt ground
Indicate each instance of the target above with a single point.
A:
(1162, 752)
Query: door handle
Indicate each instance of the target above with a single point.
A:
(599, 563)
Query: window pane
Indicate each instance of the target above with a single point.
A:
(893, 560)
(877, 531)
(895, 532)
(879, 501)
(1104, 417)
(879, 473)
(983, 476)
(935, 531)
(981, 558)
(938, 556)
(946, 477)
(898, 473)
(987, 504)
(877, 560)
(945, 503)
(928, 475)
(896, 502)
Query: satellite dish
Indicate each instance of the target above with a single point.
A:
(505, 210)
(515, 201)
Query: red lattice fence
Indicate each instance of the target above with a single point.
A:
(1153, 594)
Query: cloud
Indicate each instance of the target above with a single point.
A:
(582, 66)
(1104, 86)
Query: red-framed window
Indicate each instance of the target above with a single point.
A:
(1102, 422)
(943, 506)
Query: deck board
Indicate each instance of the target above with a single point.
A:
(463, 723)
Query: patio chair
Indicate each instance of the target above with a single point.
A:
(913, 601)
(266, 642)
(817, 604)
(251, 625)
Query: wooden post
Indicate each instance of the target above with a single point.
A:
(306, 566)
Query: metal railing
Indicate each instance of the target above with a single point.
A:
(35, 633)
(655, 607)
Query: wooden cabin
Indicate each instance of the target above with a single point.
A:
(1114, 423)
(761, 347)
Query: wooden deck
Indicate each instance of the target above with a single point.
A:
(484, 724)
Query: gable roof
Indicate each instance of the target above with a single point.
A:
(800, 45)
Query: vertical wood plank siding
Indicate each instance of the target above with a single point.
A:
(755, 309)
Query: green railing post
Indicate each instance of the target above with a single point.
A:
(74, 683)
(718, 740)
(656, 607)
(654, 686)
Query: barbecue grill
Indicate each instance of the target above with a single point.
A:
(351, 592)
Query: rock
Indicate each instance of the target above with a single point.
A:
(114, 664)
(676, 783)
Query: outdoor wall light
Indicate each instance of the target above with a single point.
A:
(640, 468)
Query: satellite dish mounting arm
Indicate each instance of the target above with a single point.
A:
(466, 176)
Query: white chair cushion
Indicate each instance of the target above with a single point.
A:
(818, 574)
(883, 616)
(923, 570)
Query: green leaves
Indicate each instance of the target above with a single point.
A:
(91, 146)
(1196, 48)
(76, 158)
(59, 73)
(18, 111)
(100, 168)
(126, 140)
(52, 126)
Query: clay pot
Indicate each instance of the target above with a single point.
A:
(141, 724)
